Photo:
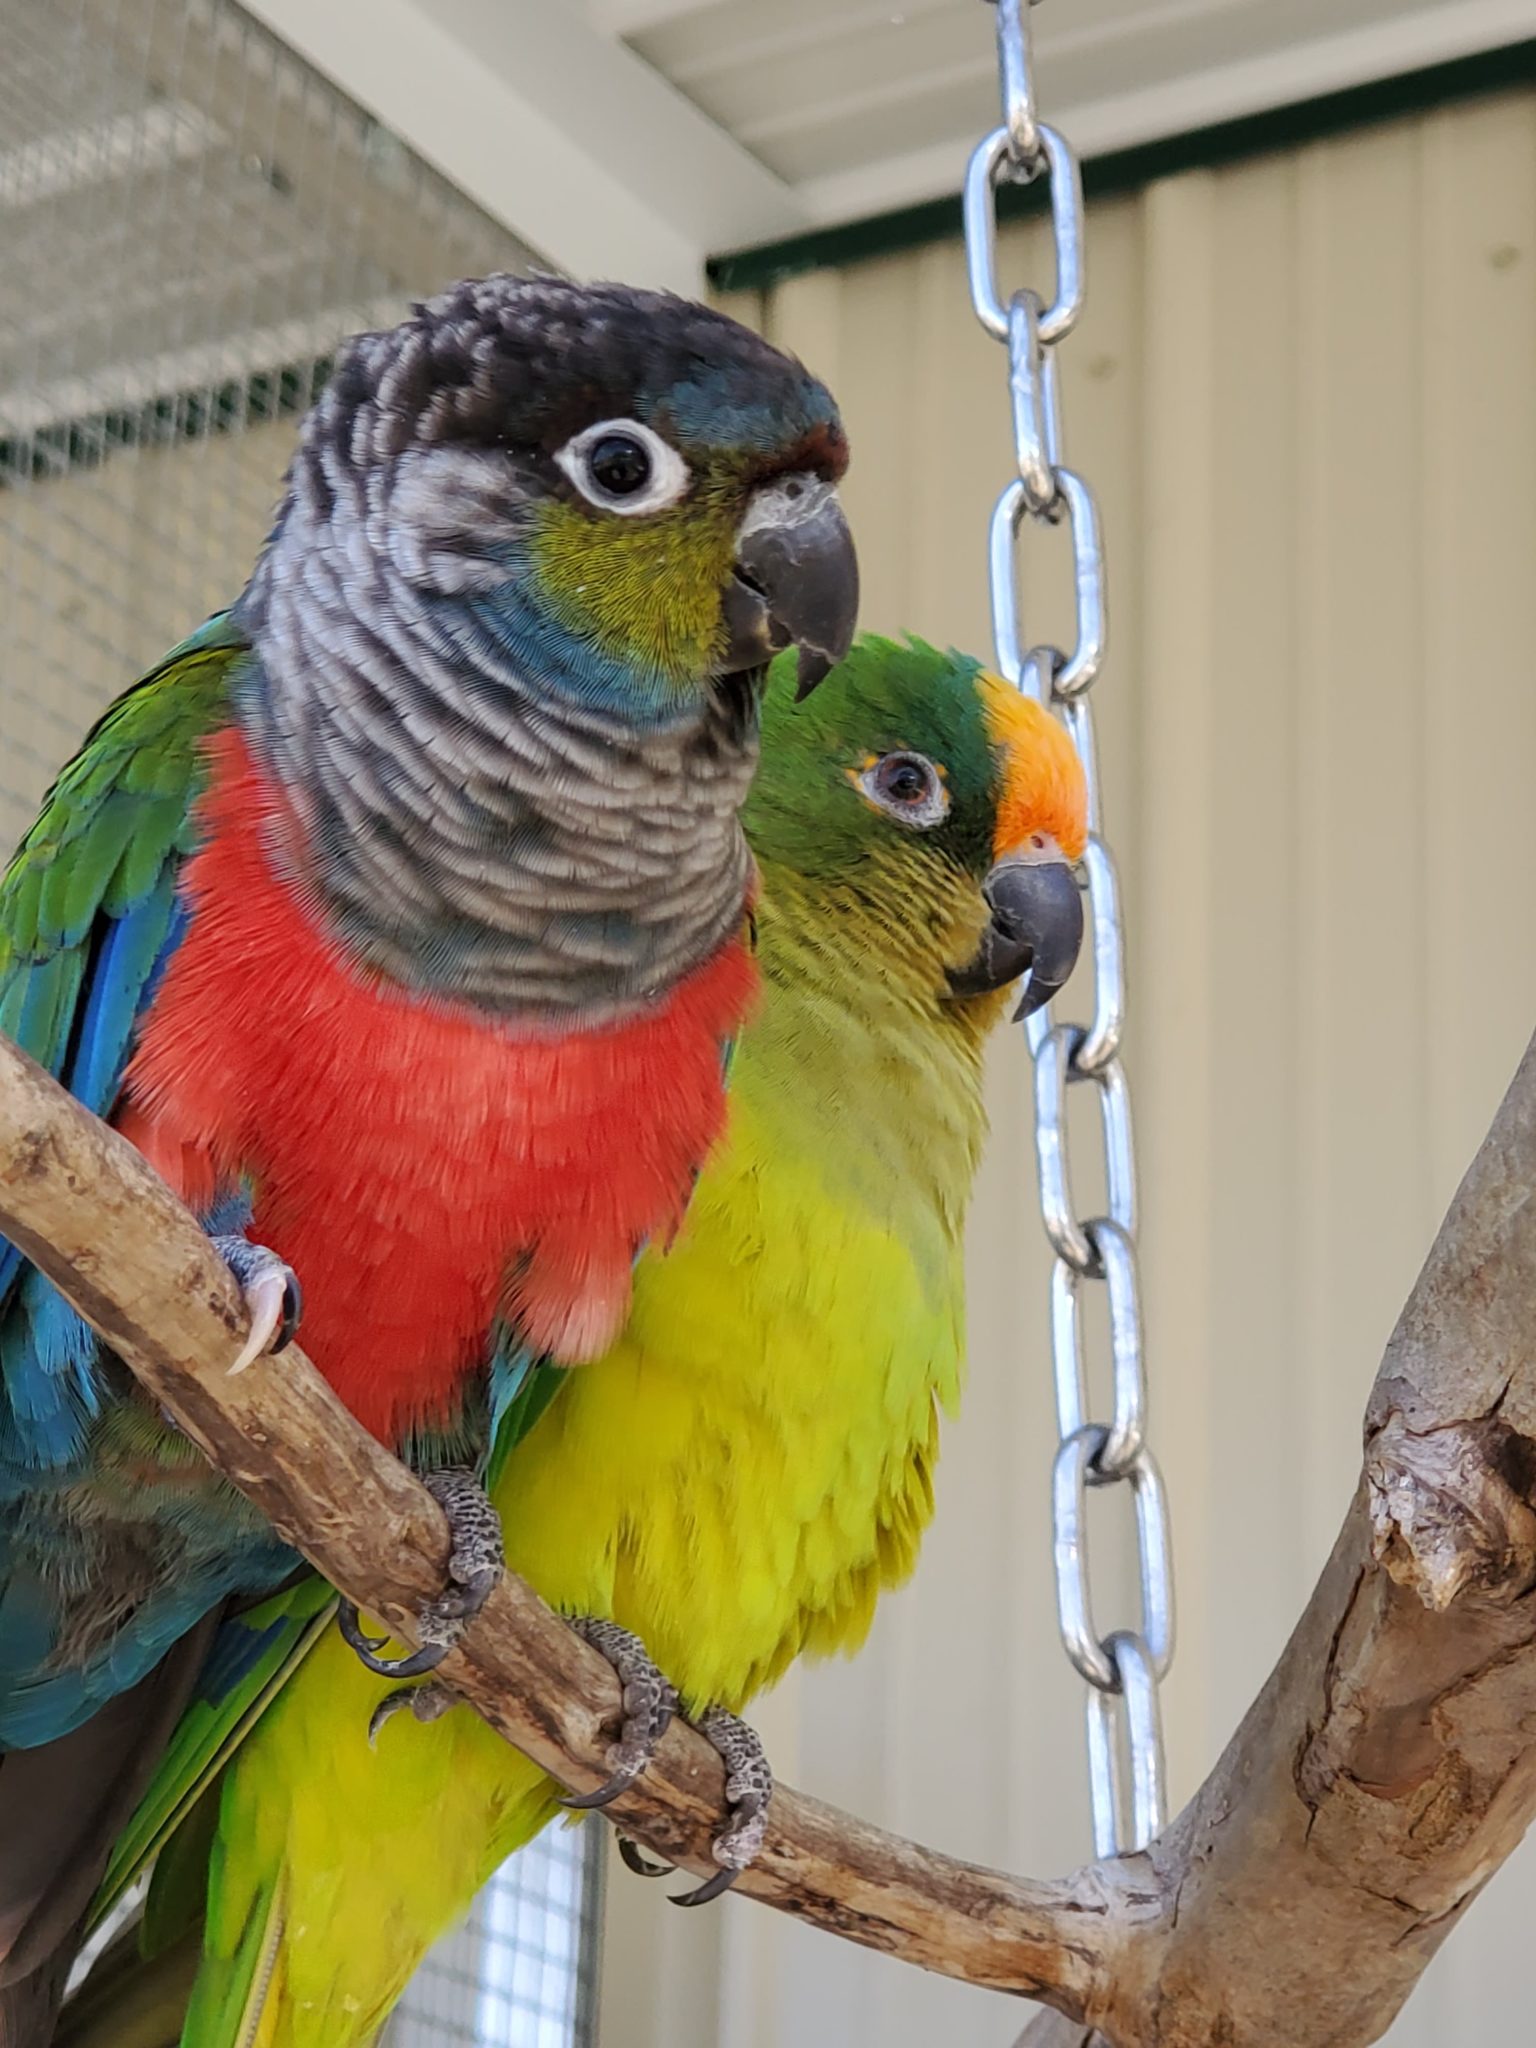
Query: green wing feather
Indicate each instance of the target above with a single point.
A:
(88, 917)
(112, 822)
(225, 2008)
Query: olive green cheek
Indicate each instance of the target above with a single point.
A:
(646, 590)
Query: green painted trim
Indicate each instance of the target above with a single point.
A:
(1125, 170)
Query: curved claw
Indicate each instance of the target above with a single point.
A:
(748, 1792)
(424, 1703)
(293, 1313)
(397, 1702)
(350, 1622)
(274, 1301)
(416, 1665)
(622, 1779)
(712, 1888)
(474, 1565)
(264, 1300)
(634, 1858)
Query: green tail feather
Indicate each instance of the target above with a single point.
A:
(225, 2008)
(213, 1728)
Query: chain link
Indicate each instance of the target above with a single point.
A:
(1124, 1667)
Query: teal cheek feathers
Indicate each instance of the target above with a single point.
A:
(519, 630)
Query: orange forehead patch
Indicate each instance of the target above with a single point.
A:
(1043, 786)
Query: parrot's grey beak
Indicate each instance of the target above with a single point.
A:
(795, 581)
(1036, 924)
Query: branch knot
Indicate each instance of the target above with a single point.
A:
(1451, 1511)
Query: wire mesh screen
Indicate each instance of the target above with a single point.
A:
(523, 1967)
(189, 221)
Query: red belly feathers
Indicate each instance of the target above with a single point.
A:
(419, 1166)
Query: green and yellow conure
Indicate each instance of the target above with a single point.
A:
(752, 1462)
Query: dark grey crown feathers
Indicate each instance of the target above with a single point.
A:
(528, 361)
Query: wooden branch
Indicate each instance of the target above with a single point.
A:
(1389, 1765)
(83, 1205)
(1387, 1769)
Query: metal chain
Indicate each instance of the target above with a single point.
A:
(1124, 1667)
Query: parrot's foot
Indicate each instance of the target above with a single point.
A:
(273, 1299)
(748, 1791)
(649, 1699)
(426, 1703)
(474, 1565)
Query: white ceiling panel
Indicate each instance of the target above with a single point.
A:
(861, 104)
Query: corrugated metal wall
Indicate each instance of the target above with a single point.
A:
(1304, 388)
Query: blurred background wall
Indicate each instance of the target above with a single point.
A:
(1305, 388)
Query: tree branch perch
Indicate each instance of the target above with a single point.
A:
(1385, 1771)
(83, 1205)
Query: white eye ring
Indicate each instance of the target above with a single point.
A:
(884, 783)
(664, 484)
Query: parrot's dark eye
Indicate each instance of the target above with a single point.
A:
(624, 466)
(619, 465)
(907, 787)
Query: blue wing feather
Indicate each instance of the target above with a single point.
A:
(133, 955)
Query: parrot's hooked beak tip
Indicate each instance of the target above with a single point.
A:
(795, 582)
(1036, 926)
